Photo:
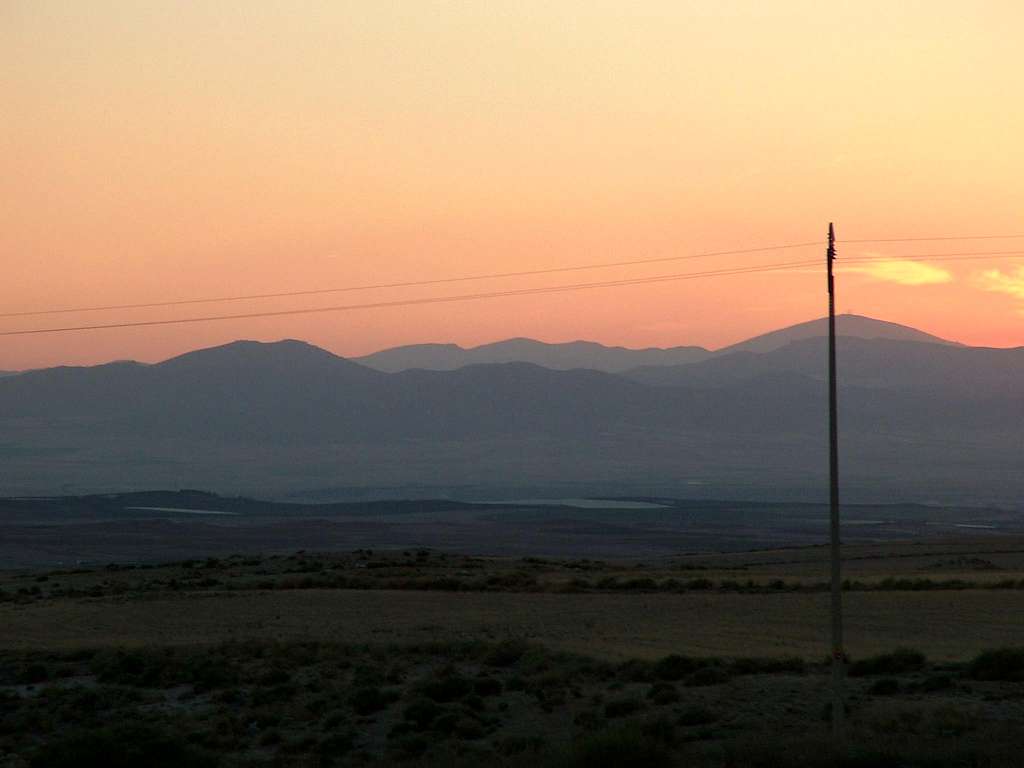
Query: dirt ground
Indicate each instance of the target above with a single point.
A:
(946, 625)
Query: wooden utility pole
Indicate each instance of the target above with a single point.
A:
(838, 654)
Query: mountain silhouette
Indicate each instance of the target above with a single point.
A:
(856, 326)
(588, 354)
(872, 363)
(573, 354)
(916, 417)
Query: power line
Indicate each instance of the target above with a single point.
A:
(430, 300)
(408, 284)
(932, 256)
(932, 239)
(961, 256)
(546, 271)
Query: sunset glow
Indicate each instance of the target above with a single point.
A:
(171, 150)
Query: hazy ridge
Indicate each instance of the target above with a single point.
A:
(922, 420)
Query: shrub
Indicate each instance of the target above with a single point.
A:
(468, 729)
(662, 693)
(486, 686)
(700, 585)
(999, 664)
(617, 748)
(934, 683)
(366, 701)
(953, 721)
(411, 745)
(448, 688)
(645, 584)
(697, 715)
(622, 707)
(900, 661)
(505, 654)
(638, 671)
(445, 723)
(887, 686)
(674, 667)
(751, 666)
(33, 674)
(274, 676)
(123, 746)
(422, 713)
(708, 676)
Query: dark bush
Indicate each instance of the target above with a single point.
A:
(469, 729)
(211, 674)
(674, 667)
(447, 689)
(122, 746)
(422, 713)
(662, 693)
(487, 686)
(619, 748)
(700, 585)
(637, 671)
(645, 584)
(622, 707)
(934, 683)
(32, 674)
(708, 676)
(900, 661)
(411, 745)
(697, 715)
(505, 654)
(751, 666)
(445, 723)
(366, 701)
(999, 664)
(274, 676)
(887, 686)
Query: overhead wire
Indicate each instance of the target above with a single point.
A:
(409, 283)
(929, 239)
(427, 300)
(931, 256)
(856, 259)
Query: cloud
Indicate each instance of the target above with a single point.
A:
(1003, 282)
(902, 272)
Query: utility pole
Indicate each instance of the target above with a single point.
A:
(838, 654)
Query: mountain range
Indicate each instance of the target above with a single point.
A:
(588, 354)
(921, 419)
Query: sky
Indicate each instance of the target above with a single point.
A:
(159, 151)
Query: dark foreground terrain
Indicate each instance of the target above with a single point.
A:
(503, 704)
(425, 658)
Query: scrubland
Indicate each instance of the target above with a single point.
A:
(425, 658)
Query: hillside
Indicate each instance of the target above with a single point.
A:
(574, 354)
(856, 326)
(587, 354)
(925, 421)
(870, 363)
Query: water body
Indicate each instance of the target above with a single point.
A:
(582, 503)
(184, 511)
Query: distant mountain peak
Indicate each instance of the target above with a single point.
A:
(847, 324)
(287, 354)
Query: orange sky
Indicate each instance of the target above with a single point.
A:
(167, 150)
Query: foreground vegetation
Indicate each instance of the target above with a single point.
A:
(424, 658)
(506, 704)
(427, 570)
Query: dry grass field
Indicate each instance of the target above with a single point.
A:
(951, 599)
(946, 625)
(425, 658)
